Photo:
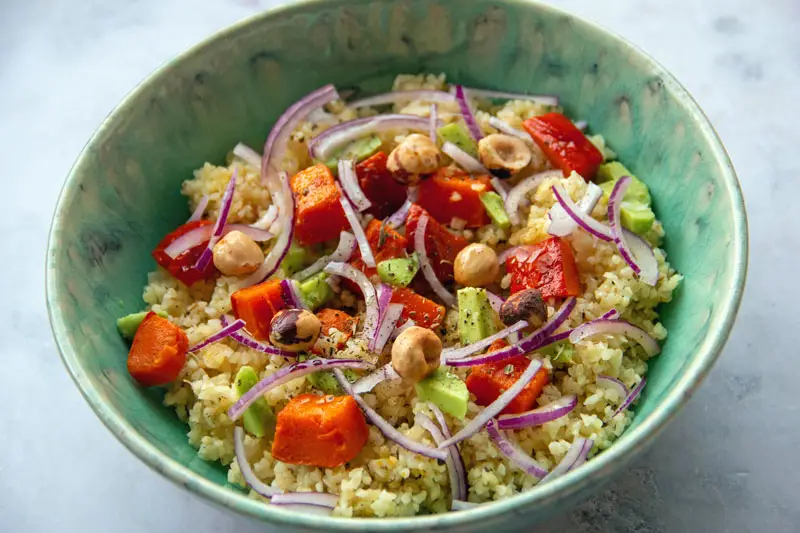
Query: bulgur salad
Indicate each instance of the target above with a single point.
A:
(409, 303)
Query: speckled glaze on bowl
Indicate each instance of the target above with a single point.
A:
(122, 196)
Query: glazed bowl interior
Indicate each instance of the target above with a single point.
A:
(123, 195)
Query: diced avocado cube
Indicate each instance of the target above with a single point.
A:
(128, 324)
(400, 271)
(327, 382)
(315, 290)
(357, 150)
(496, 209)
(475, 315)
(294, 261)
(636, 211)
(258, 418)
(458, 135)
(446, 391)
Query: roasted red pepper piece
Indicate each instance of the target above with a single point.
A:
(451, 193)
(424, 312)
(391, 245)
(181, 266)
(379, 187)
(490, 380)
(548, 266)
(564, 144)
(441, 246)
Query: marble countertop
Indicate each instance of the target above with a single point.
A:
(727, 464)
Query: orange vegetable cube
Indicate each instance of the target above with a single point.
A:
(451, 193)
(319, 216)
(158, 352)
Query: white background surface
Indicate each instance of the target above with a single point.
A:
(729, 462)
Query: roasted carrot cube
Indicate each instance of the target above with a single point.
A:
(158, 352)
(319, 216)
(257, 305)
(325, 431)
(424, 312)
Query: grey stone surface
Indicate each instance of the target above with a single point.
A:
(727, 464)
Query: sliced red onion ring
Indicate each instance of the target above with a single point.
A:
(402, 327)
(464, 160)
(226, 331)
(370, 381)
(248, 155)
(358, 231)
(288, 373)
(323, 146)
(637, 390)
(250, 342)
(513, 451)
(201, 234)
(247, 471)
(500, 188)
(394, 97)
(494, 300)
(519, 193)
(610, 314)
(534, 341)
(504, 127)
(581, 125)
(522, 253)
(398, 218)
(464, 351)
(466, 112)
(434, 120)
(576, 456)
(219, 225)
(582, 218)
(427, 269)
(286, 209)
(388, 323)
(198, 212)
(316, 499)
(383, 293)
(458, 461)
(644, 264)
(545, 99)
(385, 427)
(372, 313)
(345, 249)
(267, 219)
(561, 223)
(492, 410)
(350, 186)
(608, 382)
(539, 416)
(603, 326)
(291, 295)
(460, 505)
(306, 509)
(458, 484)
(644, 256)
(277, 141)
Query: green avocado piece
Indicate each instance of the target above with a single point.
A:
(128, 324)
(327, 382)
(446, 391)
(475, 315)
(399, 271)
(636, 211)
(315, 290)
(258, 418)
(496, 209)
(357, 150)
(458, 135)
(294, 261)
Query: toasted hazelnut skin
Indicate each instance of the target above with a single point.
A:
(525, 305)
(416, 353)
(236, 254)
(504, 155)
(294, 330)
(416, 156)
(476, 266)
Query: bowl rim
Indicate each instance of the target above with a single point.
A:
(632, 441)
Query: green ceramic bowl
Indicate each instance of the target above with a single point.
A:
(123, 195)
